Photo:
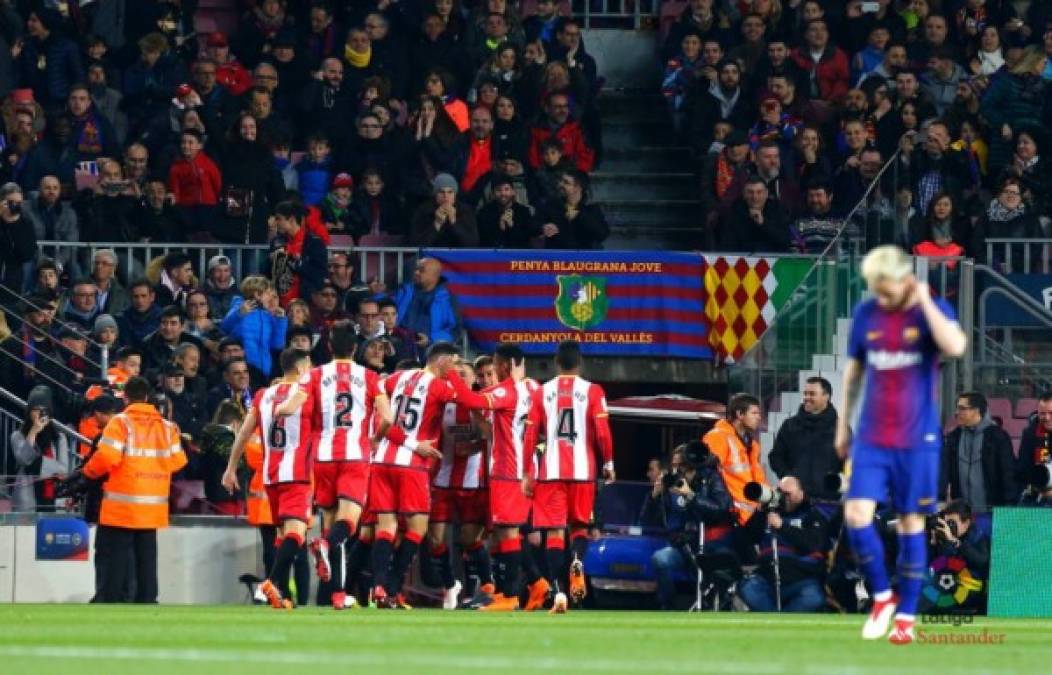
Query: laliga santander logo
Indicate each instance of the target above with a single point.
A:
(952, 582)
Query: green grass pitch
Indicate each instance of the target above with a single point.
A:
(154, 640)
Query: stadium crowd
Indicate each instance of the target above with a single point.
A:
(317, 126)
(792, 107)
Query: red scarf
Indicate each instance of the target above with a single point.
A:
(480, 160)
(724, 175)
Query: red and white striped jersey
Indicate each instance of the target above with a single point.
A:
(288, 454)
(510, 402)
(463, 463)
(418, 399)
(344, 393)
(571, 413)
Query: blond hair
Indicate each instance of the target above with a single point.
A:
(252, 286)
(886, 262)
(1027, 64)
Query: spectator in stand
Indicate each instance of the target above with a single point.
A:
(372, 147)
(194, 182)
(938, 167)
(143, 315)
(323, 37)
(1032, 168)
(775, 125)
(1016, 99)
(443, 222)
(426, 307)
(40, 452)
(389, 55)
(401, 338)
(752, 46)
(433, 142)
(337, 209)
(176, 280)
(46, 276)
(150, 82)
(756, 223)
(220, 286)
(251, 185)
(978, 463)
(803, 447)
(721, 101)
(299, 259)
(82, 306)
(186, 411)
(158, 219)
(439, 84)
(987, 52)
(681, 73)
(159, 347)
(699, 16)
(557, 124)
(870, 57)
(341, 274)
(818, 226)
(47, 61)
(236, 387)
(542, 23)
(18, 245)
(201, 323)
(895, 59)
(230, 74)
(572, 222)
(936, 35)
(52, 219)
(811, 161)
(503, 222)
(22, 352)
(438, 47)
(781, 187)
(93, 135)
(106, 212)
(943, 231)
(327, 104)
(1006, 217)
(325, 309)
(257, 32)
(719, 170)
(939, 82)
(826, 64)
(569, 49)
(475, 150)
(188, 357)
(257, 320)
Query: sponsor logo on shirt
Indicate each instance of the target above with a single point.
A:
(883, 359)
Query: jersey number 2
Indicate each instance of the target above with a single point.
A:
(344, 407)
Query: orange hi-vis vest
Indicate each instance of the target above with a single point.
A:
(139, 450)
(738, 465)
(257, 505)
(88, 428)
(117, 378)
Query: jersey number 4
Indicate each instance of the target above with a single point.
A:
(344, 407)
(407, 411)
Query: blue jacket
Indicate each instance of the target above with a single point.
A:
(133, 327)
(260, 333)
(441, 323)
(314, 180)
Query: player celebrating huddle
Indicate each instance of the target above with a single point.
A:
(283, 413)
(571, 414)
(345, 395)
(897, 337)
(399, 480)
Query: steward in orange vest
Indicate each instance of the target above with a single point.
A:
(734, 442)
(139, 451)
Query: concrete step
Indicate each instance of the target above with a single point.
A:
(632, 134)
(645, 158)
(666, 214)
(626, 186)
(634, 107)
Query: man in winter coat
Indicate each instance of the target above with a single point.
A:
(804, 445)
(977, 459)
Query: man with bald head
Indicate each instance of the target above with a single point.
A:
(426, 307)
(327, 104)
(799, 531)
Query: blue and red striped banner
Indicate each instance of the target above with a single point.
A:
(630, 303)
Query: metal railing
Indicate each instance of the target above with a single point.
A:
(1020, 256)
(389, 265)
(623, 14)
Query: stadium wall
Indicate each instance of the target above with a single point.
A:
(197, 564)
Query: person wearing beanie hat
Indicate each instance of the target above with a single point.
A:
(337, 212)
(444, 223)
(503, 222)
(39, 451)
(105, 331)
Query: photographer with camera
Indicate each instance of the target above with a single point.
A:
(952, 534)
(735, 443)
(793, 539)
(1033, 470)
(690, 496)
